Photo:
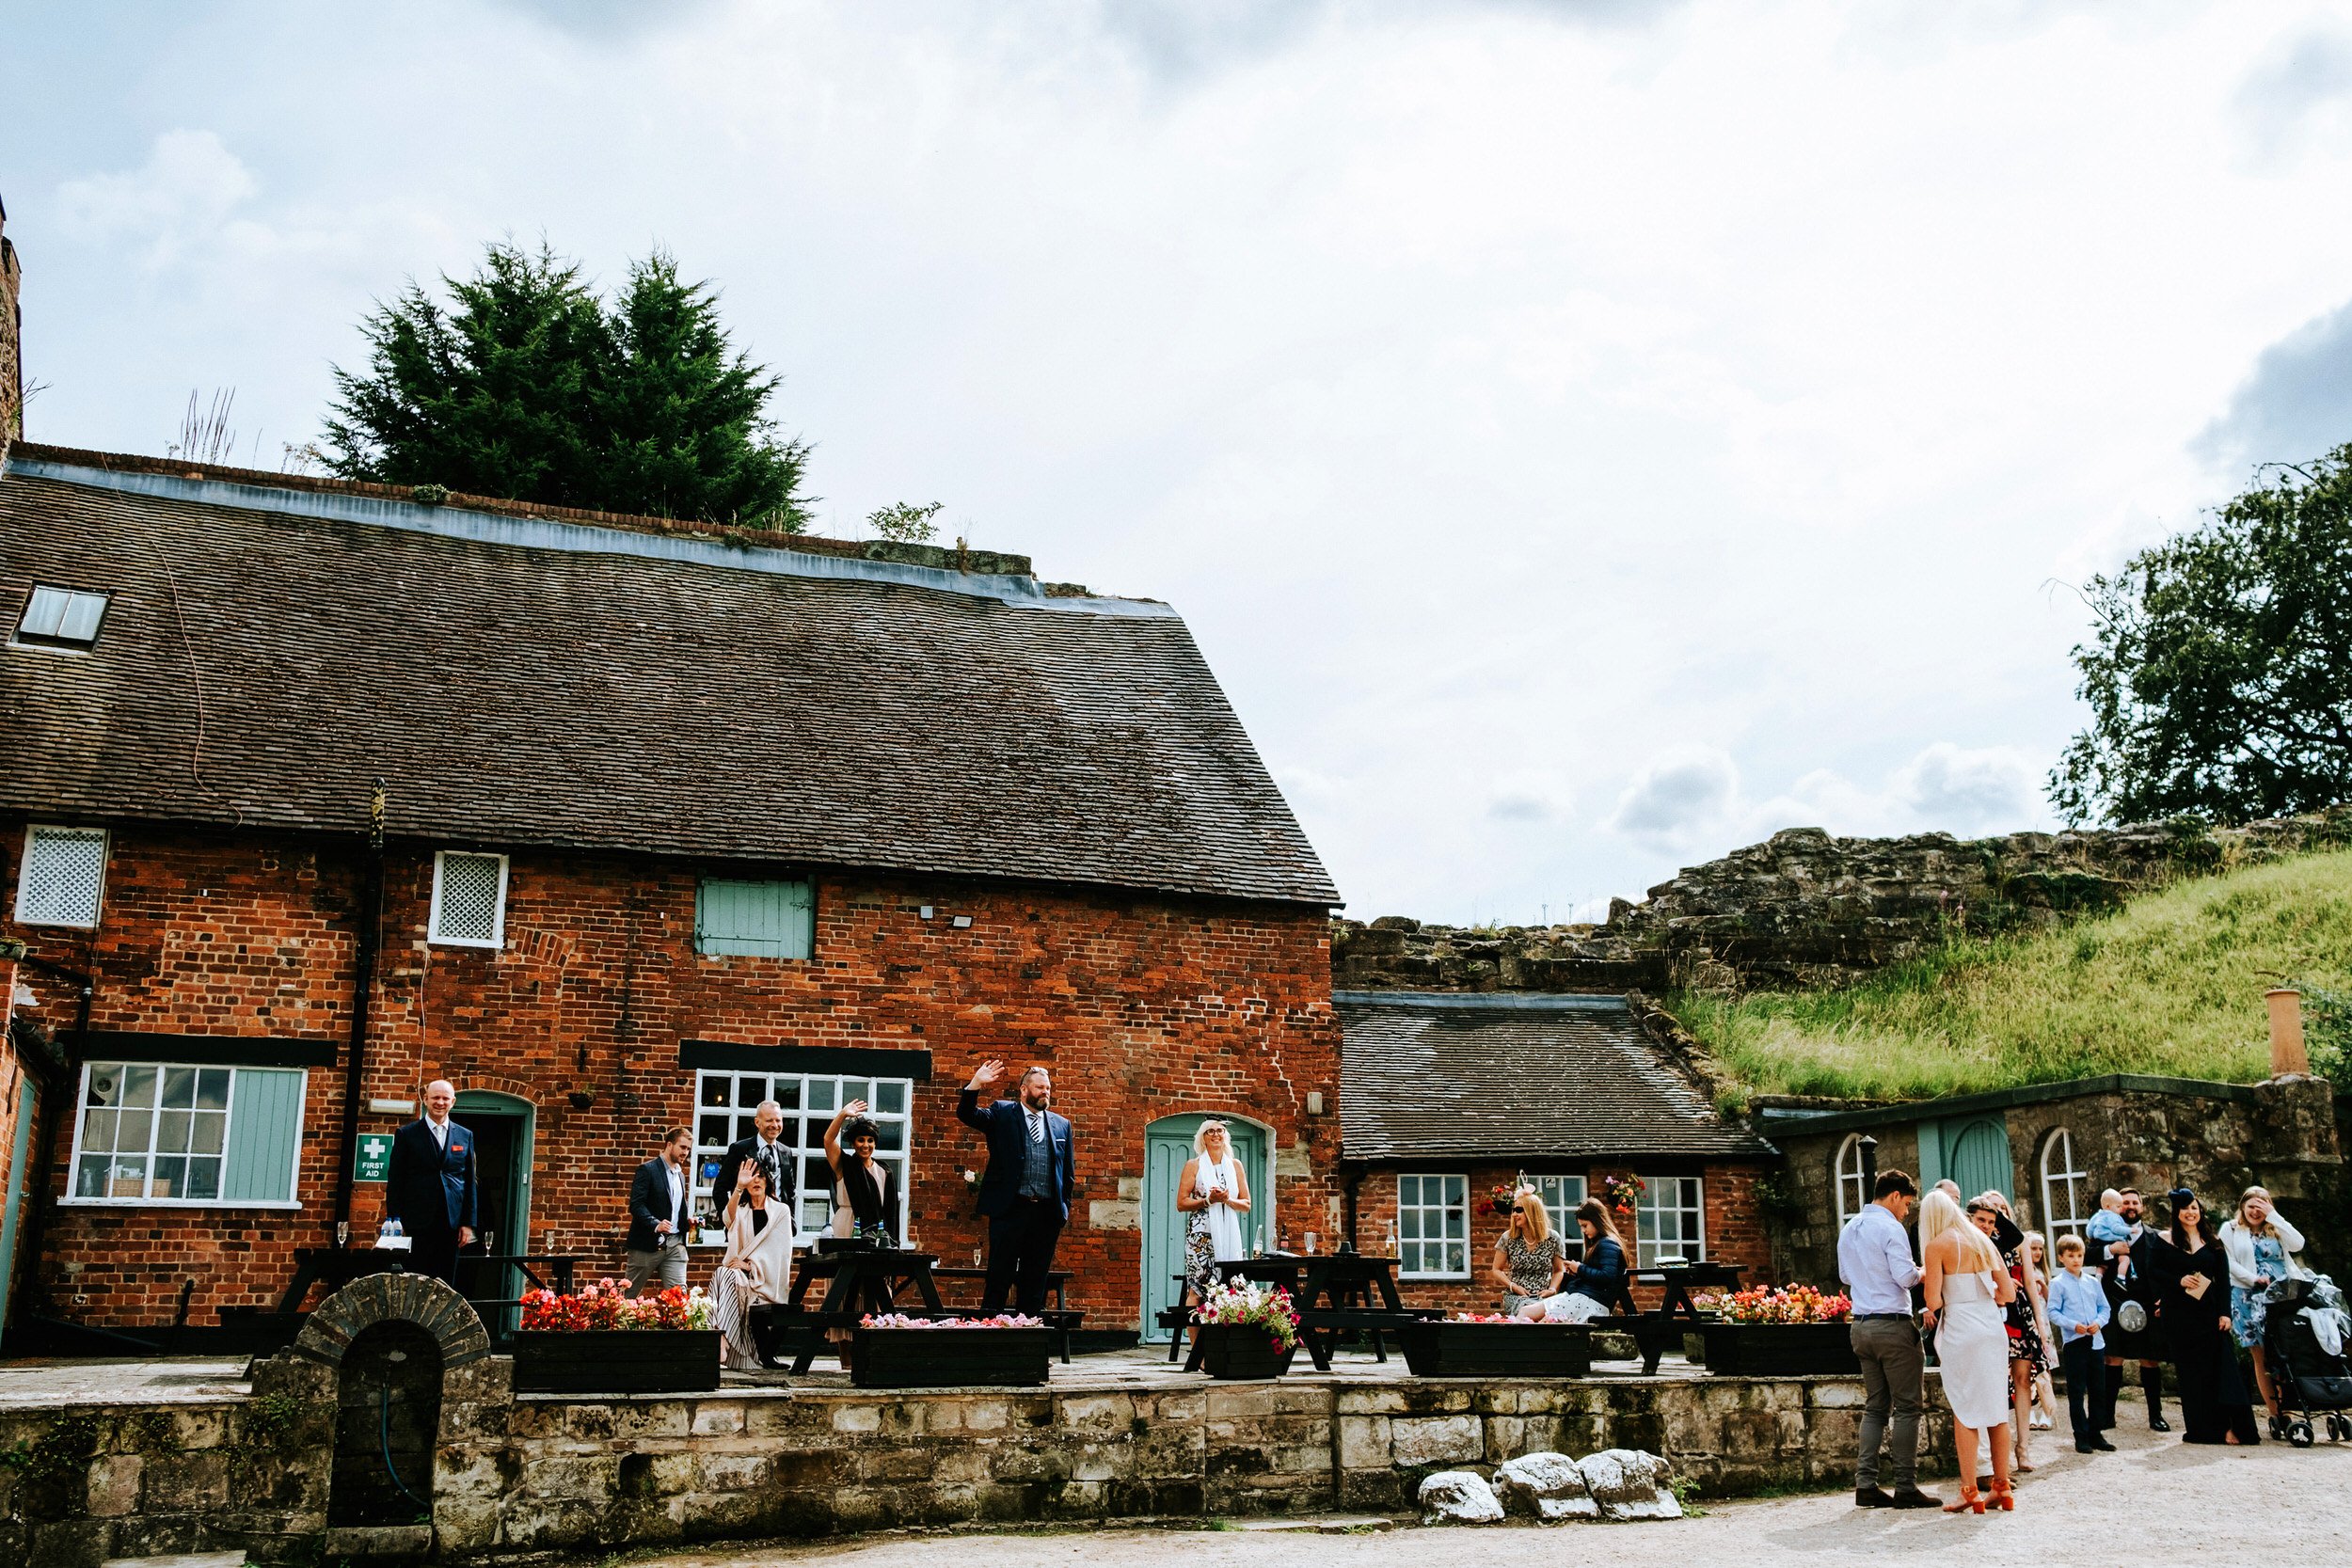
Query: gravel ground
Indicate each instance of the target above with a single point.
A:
(2271, 1504)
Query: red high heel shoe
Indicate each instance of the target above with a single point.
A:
(1969, 1501)
(2003, 1498)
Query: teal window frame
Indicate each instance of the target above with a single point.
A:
(261, 1152)
(773, 917)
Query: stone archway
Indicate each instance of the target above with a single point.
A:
(456, 1328)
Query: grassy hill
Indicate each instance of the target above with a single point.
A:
(2171, 984)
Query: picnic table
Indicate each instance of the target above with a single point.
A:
(1653, 1332)
(858, 1280)
(1332, 1292)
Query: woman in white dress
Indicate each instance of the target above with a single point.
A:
(1212, 1194)
(1966, 1287)
(758, 1266)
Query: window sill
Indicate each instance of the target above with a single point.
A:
(465, 942)
(286, 1205)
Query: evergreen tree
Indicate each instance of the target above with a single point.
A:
(527, 387)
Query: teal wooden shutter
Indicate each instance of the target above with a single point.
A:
(264, 1124)
(768, 920)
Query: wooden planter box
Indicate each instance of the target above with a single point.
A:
(617, 1361)
(949, 1357)
(1438, 1349)
(1780, 1350)
(1239, 1351)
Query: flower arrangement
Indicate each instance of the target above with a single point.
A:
(1251, 1305)
(1502, 1200)
(899, 1319)
(1622, 1192)
(1784, 1303)
(1492, 1318)
(605, 1306)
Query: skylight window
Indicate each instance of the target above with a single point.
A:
(61, 617)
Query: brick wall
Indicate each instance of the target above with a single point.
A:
(1735, 1231)
(1143, 1006)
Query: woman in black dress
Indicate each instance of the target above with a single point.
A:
(2191, 1269)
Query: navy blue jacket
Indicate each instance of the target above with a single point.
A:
(1007, 1128)
(649, 1204)
(427, 1189)
(1601, 1275)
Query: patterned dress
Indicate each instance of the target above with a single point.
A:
(1528, 1264)
(2248, 1308)
(2025, 1336)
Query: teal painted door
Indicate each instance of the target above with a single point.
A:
(27, 1105)
(1976, 1155)
(1167, 1149)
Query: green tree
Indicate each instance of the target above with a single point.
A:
(527, 386)
(2219, 675)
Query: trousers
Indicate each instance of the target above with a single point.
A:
(2087, 1395)
(1020, 1245)
(1892, 1362)
(661, 1268)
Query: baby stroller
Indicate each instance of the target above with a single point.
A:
(2308, 1378)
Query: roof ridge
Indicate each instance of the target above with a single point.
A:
(979, 563)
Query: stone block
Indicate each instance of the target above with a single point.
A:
(1365, 1443)
(1628, 1485)
(1165, 1409)
(189, 1481)
(883, 1463)
(986, 1414)
(718, 1418)
(1436, 1439)
(114, 1485)
(853, 1417)
(958, 1466)
(583, 1477)
(640, 1418)
(1302, 1399)
(1457, 1497)
(730, 1472)
(1243, 1402)
(1097, 1413)
(544, 1524)
(198, 1427)
(1505, 1436)
(589, 1422)
(1547, 1486)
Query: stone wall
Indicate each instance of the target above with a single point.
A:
(1143, 1005)
(2122, 1132)
(1803, 909)
(538, 1473)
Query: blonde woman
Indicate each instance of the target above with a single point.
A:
(2262, 1247)
(1212, 1194)
(1529, 1260)
(2038, 1283)
(1966, 1288)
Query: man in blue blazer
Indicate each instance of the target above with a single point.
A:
(658, 1201)
(430, 1188)
(1025, 1192)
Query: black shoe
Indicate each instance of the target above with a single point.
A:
(2087, 1445)
(1911, 1496)
(1871, 1497)
(2100, 1445)
(2157, 1424)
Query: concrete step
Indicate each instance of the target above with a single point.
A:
(180, 1560)
(1317, 1523)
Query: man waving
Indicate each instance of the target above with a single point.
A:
(1026, 1193)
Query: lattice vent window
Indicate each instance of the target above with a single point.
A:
(63, 882)
(469, 899)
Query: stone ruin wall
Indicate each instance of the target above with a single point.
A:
(1804, 911)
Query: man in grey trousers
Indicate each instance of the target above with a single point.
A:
(1874, 1260)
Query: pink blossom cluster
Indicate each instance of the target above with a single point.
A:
(899, 1319)
(1251, 1305)
(1785, 1303)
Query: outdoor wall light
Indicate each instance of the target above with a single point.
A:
(962, 923)
(393, 1107)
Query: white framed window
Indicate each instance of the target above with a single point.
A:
(1432, 1227)
(766, 920)
(2065, 1190)
(1561, 1194)
(62, 881)
(1670, 1220)
(1852, 1189)
(725, 1103)
(61, 617)
(160, 1134)
(469, 900)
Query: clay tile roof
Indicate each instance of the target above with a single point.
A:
(1503, 1076)
(520, 678)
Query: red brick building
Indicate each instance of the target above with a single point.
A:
(1452, 1098)
(619, 824)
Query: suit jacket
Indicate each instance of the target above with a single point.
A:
(784, 1187)
(649, 1204)
(1005, 1125)
(430, 1189)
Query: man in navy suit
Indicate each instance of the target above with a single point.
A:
(1026, 1193)
(430, 1189)
(657, 1215)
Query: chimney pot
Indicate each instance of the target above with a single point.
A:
(2288, 1058)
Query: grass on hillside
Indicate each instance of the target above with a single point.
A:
(2172, 983)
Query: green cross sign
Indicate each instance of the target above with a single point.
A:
(375, 1157)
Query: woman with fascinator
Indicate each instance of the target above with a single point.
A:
(2190, 1267)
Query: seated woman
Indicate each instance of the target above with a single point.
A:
(865, 1190)
(758, 1266)
(1596, 1280)
(1529, 1259)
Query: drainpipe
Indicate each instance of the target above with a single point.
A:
(370, 940)
(55, 1114)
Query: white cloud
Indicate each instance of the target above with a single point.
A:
(182, 196)
(1527, 797)
(1678, 798)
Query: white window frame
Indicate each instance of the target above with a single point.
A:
(1447, 1204)
(796, 1126)
(24, 873)
(2072, 1182)
(1850, 1183)
(67, 601)
(498, 919)
(1647, 1247)
(1563, 1207)
(229, 1132)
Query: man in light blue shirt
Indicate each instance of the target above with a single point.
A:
(1874, 1260)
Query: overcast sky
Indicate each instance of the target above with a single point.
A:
(1584, 437)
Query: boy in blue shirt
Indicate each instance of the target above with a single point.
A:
(2078, 1310)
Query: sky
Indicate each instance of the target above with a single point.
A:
(1583, 437)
